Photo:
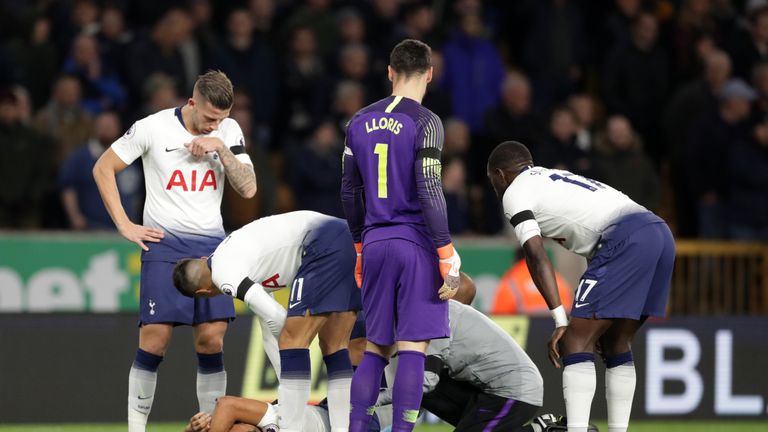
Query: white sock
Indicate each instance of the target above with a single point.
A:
(579, 382)
(338, 403)
(141, 393)
(269, 418)
(293, 395)
(619, 391)
(209, 388)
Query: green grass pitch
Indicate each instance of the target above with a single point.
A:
(647, 426)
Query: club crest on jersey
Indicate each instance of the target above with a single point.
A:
(130, 131)
(190, 182)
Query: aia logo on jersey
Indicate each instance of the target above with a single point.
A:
(272, 282)
(189, 183)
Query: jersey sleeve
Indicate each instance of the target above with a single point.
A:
(235, 140)
(428, 175)
(352, 191)
(134, 142)
(229, 277)
(518, 209)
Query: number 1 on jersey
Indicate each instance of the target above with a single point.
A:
(382, 150)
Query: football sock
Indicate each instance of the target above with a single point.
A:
(407, 390)
(619, 390)
(365, 390)
(211, 380)
(293, 392)
(579, 382)
(142, 381)
(339, 380)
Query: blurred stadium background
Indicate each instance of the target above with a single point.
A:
(665, 99)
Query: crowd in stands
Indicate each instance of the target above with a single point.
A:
(666, 100)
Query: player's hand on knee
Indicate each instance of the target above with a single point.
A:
(139, 234)
(359, 265)
(554, 342)
(450, 267)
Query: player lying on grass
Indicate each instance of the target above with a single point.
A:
(479, 379)
(631, 254)
(315, 254)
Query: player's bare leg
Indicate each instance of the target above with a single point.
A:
(293, 392)
(620, 379)
(211, 376)
(334, 343)
(579, 379)
(142, 379)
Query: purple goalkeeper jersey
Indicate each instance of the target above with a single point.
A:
(391, 183)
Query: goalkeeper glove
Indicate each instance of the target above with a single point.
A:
(359, 265)
(450, 266)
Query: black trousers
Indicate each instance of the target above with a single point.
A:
(470, 410)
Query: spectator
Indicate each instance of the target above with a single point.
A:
(160, 52)
(34, 61)
(63, 119)
(561, 151)
(748, 187)
(418, 23)
(23, 104)
(79, 194)
(694, 19)
(263, 14)
(584, 107)
(760, 82)
(707, 151)
(512, 118)
(750, 46)
(473, 71)
(456, 198)
(353, 65)
(351, 26)
(201, 13)
(24, 167)
(687, 106)
(114, 39)
(457, 138)
(436, 99)
(303, 96)
(314, 176)
(618, 24)
(554, 51)
(250, 63)
(621, 163)
(101, 88)
(349, 99)
(316, 15)
(159, 94)
(635, 81)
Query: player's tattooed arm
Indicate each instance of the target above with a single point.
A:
(241, 176)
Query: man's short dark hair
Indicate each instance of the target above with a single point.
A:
(216, 88)
(509, 154)
(181, 278)
(411, 57)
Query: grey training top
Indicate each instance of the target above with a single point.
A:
(482, 354)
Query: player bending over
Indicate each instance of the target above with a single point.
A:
(313, 253)
(630, 252)
(186, 152)
(393, 200)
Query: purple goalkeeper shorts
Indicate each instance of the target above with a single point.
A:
(400, 300)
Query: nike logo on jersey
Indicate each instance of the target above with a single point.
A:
(291, 305)
(578, 305)
(172, 149)
(144, 398)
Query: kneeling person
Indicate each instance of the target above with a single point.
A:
(314, 253)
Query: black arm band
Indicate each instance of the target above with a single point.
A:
(521, 217)
(243, 288)
(238, 149)
(430, 152)
(433, 364)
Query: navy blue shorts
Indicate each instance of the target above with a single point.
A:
(325, 281)
(160, 301)
(358, 331)
(629, 275)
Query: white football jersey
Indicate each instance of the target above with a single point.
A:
(568, 208)
(183, 192)
(267, 251)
